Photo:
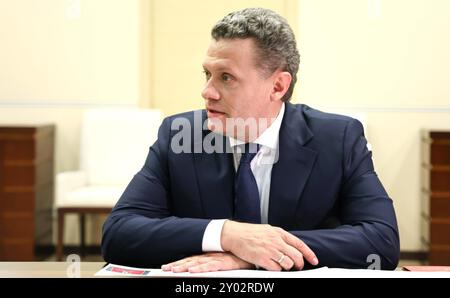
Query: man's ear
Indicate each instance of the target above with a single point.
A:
(281, 82)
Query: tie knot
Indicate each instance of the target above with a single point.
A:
(249, 152)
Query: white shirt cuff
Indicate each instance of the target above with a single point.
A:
(212, 235)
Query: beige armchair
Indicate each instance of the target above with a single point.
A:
(113, 147)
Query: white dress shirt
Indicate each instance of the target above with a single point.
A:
(261, 166)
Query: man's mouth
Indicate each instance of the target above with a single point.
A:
(214, 113)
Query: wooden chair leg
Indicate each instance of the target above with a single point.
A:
(59, 245)
(82, 233)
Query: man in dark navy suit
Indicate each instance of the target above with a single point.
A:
(264, 183)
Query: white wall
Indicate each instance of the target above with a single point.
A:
(69, 51)
(389, 60)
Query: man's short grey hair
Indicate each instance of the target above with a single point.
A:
(273, 36)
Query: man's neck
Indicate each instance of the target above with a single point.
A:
(262, 124)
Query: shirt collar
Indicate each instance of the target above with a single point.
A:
(269, 137)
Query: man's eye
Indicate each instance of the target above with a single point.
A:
(207, 74)
(226, 77)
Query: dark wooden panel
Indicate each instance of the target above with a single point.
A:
(26, 190)
(436, 186)
(440, 154)
(440, 136)
(440, 180)
(439, 255)
(2, 174)
(17, 201)
(18, 175)
(440, 231)
(17, 224)
(20, 150)
(31, 172)
(17, 249)
(440, 207)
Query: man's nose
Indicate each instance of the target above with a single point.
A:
(210, 92)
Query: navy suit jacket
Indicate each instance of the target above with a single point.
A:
(324, 190)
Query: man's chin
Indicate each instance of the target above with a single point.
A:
(216, 125)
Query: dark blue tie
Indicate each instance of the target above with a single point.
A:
(247, 202)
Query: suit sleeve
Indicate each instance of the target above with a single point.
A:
(368, 232)
(140, 230)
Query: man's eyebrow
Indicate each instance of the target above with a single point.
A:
(217, 67)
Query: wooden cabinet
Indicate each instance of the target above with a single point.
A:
(26, 190)
(436, 196)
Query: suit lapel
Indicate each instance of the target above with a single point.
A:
(215, 174)
(292, 171)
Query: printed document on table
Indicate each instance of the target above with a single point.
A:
(118, 270)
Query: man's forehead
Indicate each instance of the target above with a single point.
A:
(218, 63)
(227, 53)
